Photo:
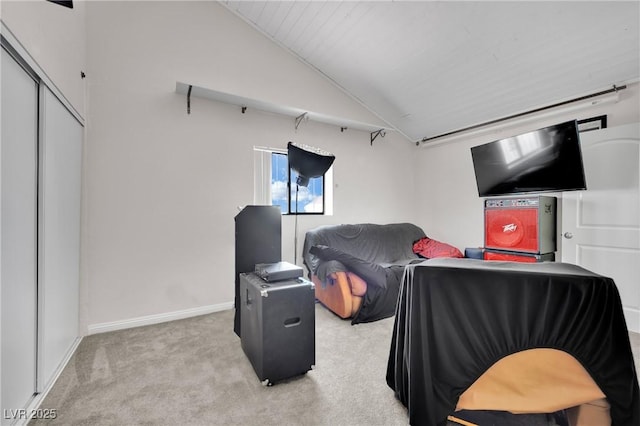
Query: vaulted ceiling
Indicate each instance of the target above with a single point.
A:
(428, 68)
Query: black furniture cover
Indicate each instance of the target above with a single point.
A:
(457, 317)
(377, 253)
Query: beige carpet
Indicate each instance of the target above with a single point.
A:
(194, 372)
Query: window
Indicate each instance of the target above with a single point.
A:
(276, 185)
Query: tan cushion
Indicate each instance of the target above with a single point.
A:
(335, 294)
(537, 380)
(358, 285)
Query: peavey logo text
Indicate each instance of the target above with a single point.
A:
(509, 227)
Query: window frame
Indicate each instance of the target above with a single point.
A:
(263, 164)
(291, 199)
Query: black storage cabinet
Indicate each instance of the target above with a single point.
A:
(258, 240)
(277, 326)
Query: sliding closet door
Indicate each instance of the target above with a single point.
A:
(18, 229)
(60, 177)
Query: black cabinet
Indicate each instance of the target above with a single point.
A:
(258, 240)
(278, 326)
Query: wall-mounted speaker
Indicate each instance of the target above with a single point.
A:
(526, 224)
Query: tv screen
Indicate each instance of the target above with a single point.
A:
(545, 160)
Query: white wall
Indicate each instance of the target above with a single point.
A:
(163, 187)
(448, 206)
(55, 37)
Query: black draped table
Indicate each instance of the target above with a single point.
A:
(456, 317)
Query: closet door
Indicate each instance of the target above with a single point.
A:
(18, 251)
(61, 163)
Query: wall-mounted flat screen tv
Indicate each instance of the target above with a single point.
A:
(545, 160)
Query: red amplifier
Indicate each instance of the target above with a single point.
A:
(525, 224)
(518, 257)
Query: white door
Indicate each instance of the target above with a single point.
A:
(59, 248)
(18, 229)
(601, 226)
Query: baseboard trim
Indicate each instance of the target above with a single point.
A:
(34, 404)
(157, 318)
(632, 317)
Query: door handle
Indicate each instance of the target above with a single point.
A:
(568, 235)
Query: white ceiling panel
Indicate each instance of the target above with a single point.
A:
(429, 68)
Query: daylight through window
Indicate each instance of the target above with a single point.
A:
(275, 185)
(310, 199)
